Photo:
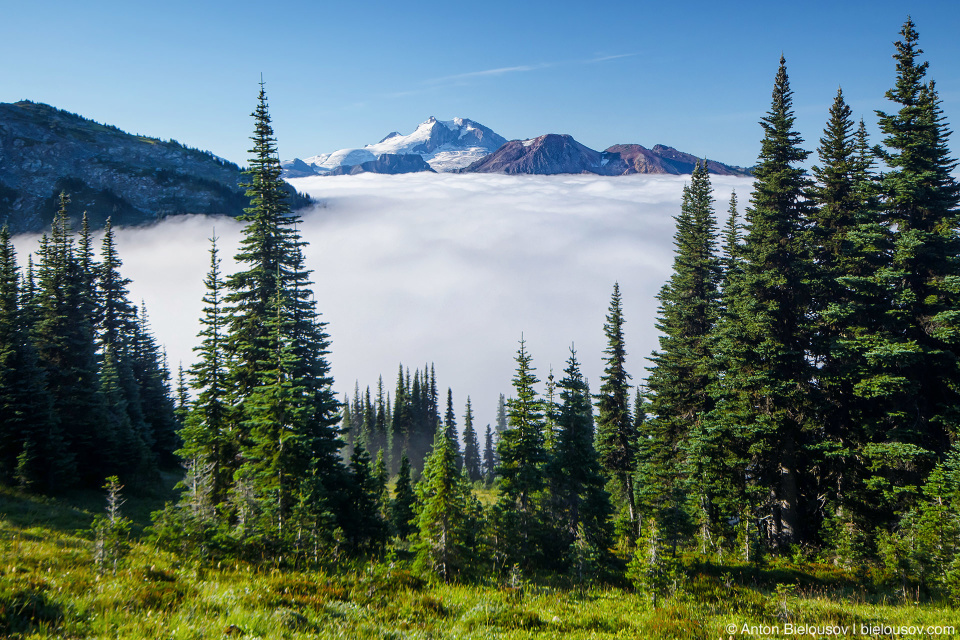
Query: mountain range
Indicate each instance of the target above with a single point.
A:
(465, 146)
(106, 172)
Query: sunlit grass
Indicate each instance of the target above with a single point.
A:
(50, 588)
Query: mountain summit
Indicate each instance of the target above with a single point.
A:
(444, 145)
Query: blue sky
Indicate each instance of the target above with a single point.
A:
(693, 75)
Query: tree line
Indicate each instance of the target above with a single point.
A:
(84, 388)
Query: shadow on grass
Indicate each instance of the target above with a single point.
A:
(73, 511)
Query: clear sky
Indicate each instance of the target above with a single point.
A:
(694, 75)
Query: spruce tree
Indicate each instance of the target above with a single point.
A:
(616, 437)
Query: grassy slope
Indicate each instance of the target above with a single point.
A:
(49, 588)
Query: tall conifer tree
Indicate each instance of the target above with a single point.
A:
(769, 383)
(616, 436)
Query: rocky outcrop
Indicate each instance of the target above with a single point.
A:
(106, 172)
(553, 154)
(624, 159)
(546, 155)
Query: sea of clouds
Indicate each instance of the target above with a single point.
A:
(447, 269)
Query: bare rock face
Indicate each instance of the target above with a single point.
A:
(134, 180)
(624, 159)
(553, 154)
(547, 155)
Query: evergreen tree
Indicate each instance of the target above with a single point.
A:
(116, 316)
(285, 410)
(522, 458)
(32, 452)
(446, 513)
(402, 507)
(206, 434)
(501, 415)
(680, 380)
(768, 388)
(64, 341)
(402, 421)
(489, 456)
(580, 505)
(471, 447)
(616, 438)
(920, 197)
(851, 281)
(450, 427)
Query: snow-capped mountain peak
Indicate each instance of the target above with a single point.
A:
(446, 145)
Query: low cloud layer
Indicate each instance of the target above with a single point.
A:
(447, 269)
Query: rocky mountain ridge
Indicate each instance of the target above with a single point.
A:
(132, 179)
(465, 146)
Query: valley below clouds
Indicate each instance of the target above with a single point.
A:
(446, 269)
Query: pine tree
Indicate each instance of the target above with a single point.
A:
(471, 447)
(616, 438)
(767, 404)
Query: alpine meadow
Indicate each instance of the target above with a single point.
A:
(786, 463)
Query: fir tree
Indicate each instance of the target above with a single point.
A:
(768, 386)
(285, 410)
(489, 456)
(581, 506)
(450, 427)
(445, 513)
(64, 341)
(207, 433)
(32, 452)
(402, 507)
(920, 198)
(681, 377)
(616, 438)
(471, 447)
(522, 458)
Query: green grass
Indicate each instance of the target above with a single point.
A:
(49, 588)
